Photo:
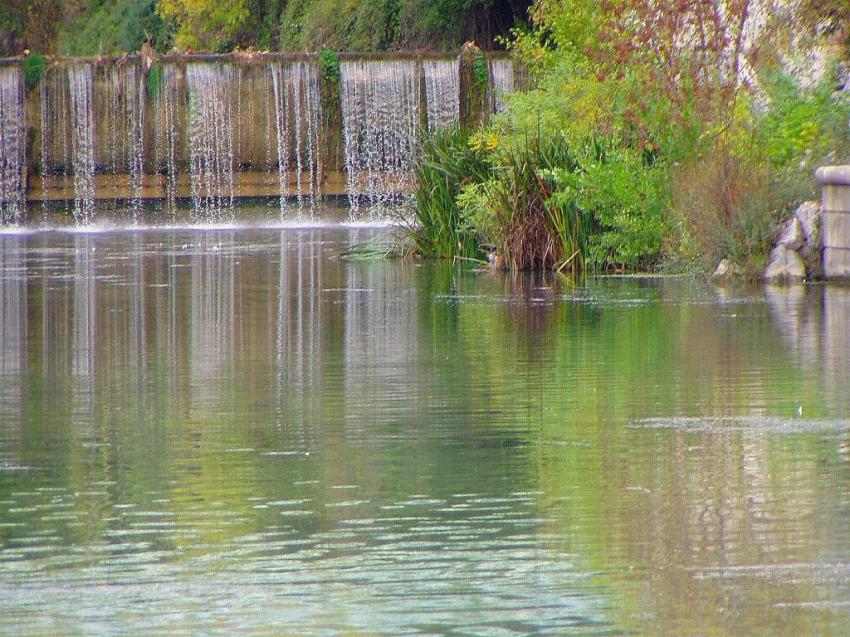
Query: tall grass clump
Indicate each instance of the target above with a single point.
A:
(446, 166)
(537, 203)
(524, 215)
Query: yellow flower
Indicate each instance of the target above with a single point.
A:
(477, 142)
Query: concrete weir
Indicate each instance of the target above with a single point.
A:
(835, 210)
(212, 128)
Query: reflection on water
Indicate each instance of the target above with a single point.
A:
(237, 431)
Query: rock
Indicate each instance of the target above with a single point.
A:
(810, 218)
(813, 258)
(496, 261)
(726, 270)
(785, 265)
(792, 236)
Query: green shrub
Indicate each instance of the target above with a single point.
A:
(602, 206)
(726, 209)
(329, 61)
(480, 70)
(34, 66)
(153, 81)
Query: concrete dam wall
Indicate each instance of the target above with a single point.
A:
(212, 128)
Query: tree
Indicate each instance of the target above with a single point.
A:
(205, 25)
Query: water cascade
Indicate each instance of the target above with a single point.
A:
(211, 158)
(82, 140)
(501, 82)
(228, 127)
(297, 116)
(442, 92)
(380, 113)
(12, 143)
(54, 138)
(119, 121)
(166, 137)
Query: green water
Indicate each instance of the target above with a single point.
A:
(238, 432)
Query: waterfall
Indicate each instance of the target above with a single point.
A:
(442, 93)
(119, 121)
(12, 144)
(82, 139)
(166, 145)
(380, 114)
(501, 82)
(211, 159)
(134, 105)
(298, 114)
(54, 131)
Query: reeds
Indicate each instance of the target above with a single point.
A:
(447, 164)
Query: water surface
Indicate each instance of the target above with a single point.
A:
(236, 431)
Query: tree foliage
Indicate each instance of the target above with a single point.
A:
(28, 24)
(86, 27)
(204, 24)
(111, 26)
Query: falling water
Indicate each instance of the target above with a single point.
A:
(442, 93)
(12, 143)
(211, 156)
(82, 140)
(297, 118)
(380, 113)
(501, 82)
(120, 113)
(55, 136)
(166, 133)
(134, 105)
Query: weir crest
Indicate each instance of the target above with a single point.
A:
(209, 129)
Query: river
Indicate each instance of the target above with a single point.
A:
(238, 431)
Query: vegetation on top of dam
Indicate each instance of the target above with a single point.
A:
(91, 27)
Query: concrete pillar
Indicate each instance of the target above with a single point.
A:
(835, 211)
(474, 85)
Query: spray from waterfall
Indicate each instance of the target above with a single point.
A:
(12, 144)
(380, 113)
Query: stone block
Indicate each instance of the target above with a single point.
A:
(836, 263)
(836, 229)
(836, 197)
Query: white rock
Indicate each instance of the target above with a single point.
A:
(785, 265)
(792, 236)
(810, 219)
(726, 269)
